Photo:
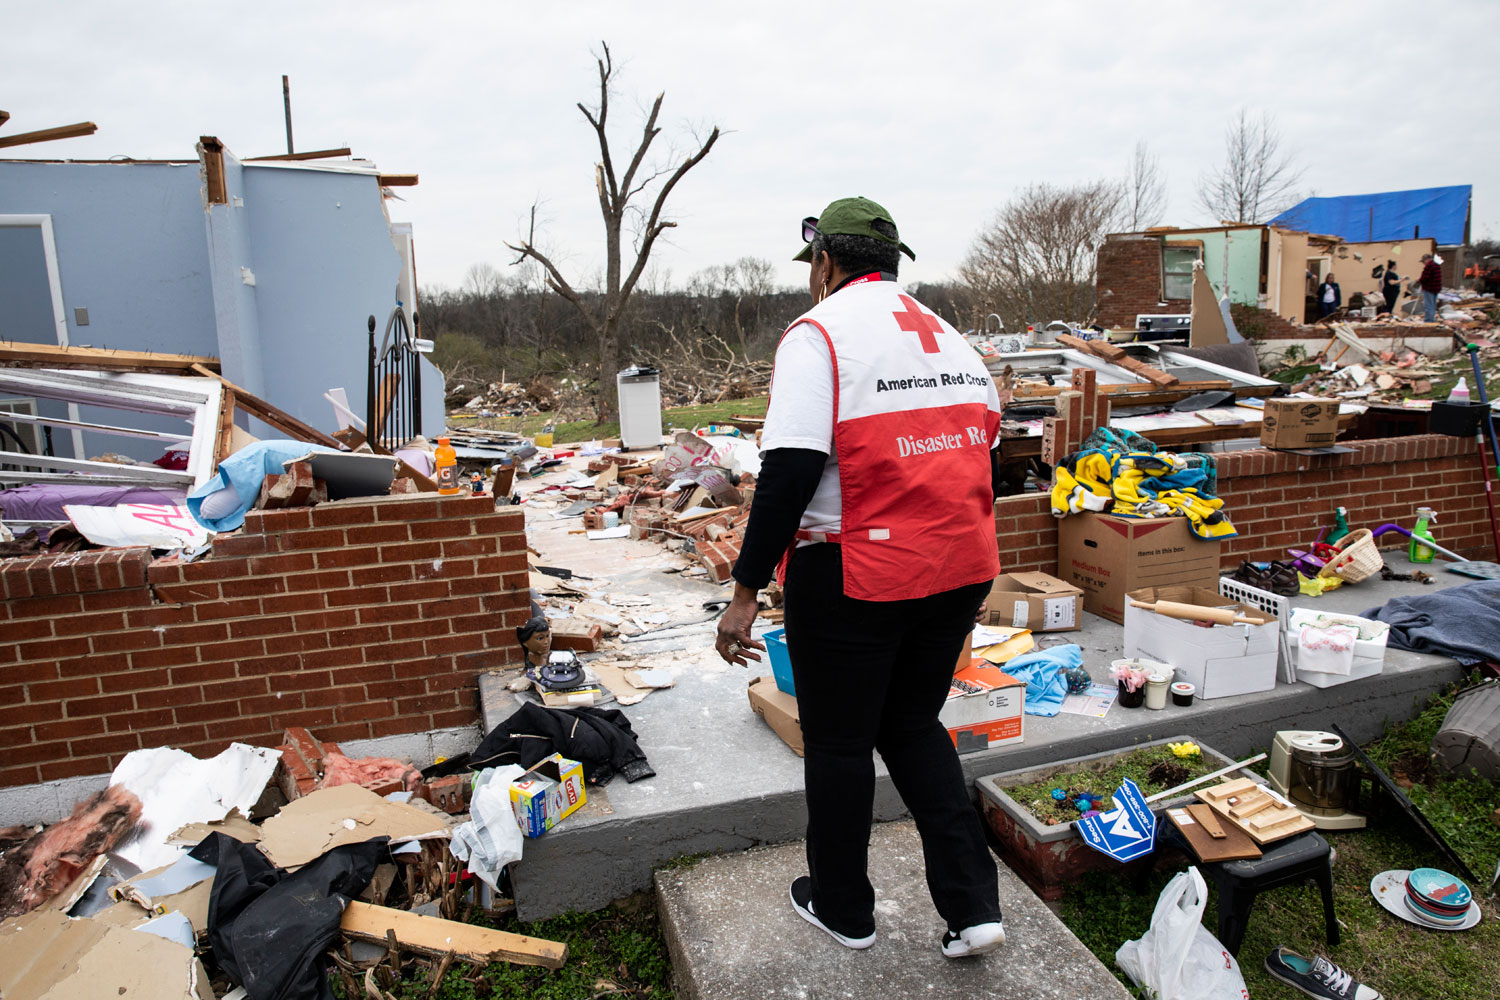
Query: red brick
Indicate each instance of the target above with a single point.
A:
(292, 603)
(330, 514)
(11, 777)
(171, 656)
(387, 573)
(348, 556)
(259, 586)
(424, 509)
(244, 545)
(364, 712)
(171, 697)
(296, 642)
(197, 712)
(134, 680)
(197, 673)
(46, 607)
(66, 729)
(457, 548)
(80, 707)
(124, 642)
(377, 534)
(239, 607)
(187, 593)
(74, 768)
(455, 528)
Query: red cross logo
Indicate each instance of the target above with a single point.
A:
(924, 325)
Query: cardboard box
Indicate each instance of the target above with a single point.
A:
(1221, 661)
(1299, 423)
(1036, 601)
(984, 708)
(548, 793)
(1108, 556)
(779, 709)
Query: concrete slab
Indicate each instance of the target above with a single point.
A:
(725, 782)
(733, 934)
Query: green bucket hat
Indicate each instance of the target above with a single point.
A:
(851, 217)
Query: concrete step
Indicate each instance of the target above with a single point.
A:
(733, 934)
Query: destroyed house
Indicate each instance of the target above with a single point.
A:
(1268, 267)
(271, 265)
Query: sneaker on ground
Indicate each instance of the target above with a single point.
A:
(974, 940)
(1317, 977)
(801, 894)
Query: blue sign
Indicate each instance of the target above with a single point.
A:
(1125, 832)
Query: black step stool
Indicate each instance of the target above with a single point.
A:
(1305, 856)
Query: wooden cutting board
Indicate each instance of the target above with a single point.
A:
(1194, 822)
(1247, 805)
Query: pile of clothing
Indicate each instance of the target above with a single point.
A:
(1122, 473)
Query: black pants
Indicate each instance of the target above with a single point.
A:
(874, 675)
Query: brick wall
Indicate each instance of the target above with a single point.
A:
(1278, 500)
(1128, 281)
(357, 619)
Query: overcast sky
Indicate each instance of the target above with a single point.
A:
(940, 111)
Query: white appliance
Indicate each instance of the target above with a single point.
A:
(639, 389)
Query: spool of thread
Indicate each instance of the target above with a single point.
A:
(1156, 692)
(1182, 693)
(611, 519)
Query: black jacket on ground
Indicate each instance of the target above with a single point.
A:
(598, 738)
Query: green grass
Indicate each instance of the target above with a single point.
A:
(1104, 777)
(587, 430)
(1395, 957)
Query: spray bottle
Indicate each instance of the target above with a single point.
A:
(1340, 526)
(1416, 551)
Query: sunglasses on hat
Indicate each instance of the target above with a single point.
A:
(809, 228)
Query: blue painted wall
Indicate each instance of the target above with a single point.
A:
(324, 263)
(159, 270)
(26, 315)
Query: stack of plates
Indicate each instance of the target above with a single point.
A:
(1427, 897)
(1434, 895)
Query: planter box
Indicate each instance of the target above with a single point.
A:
(1049, 857)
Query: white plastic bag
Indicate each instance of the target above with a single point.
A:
(1177, 957)
(492, 837)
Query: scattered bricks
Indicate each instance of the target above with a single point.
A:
(402, 486)
(449, 793)
(582, 637)
(718, 557)
(301, 765)
(293, 489)
(593, 519)
(597, 466)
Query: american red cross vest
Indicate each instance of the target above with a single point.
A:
(915, 415)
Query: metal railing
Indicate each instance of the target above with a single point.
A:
(393, 414)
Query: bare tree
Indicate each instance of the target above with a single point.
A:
(1034, 262)
(604, 313)
(1145, 189)
(1256, 179)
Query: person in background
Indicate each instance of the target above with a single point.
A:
(1431, 282)
(875, 505)
(1329, 296)
(1390, 286)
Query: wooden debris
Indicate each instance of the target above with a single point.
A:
(435, 937)
(1116, 356)
(271, 415)
(48, 134)
(13, 355)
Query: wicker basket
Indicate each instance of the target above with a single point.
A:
(1358, 558)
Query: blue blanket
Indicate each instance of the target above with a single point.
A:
(242, 473)
(1042, 671)
(1461, 622)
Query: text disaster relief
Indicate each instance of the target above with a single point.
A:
(906, 446)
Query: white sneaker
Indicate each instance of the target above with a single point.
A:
(974, 940)
(801, 894)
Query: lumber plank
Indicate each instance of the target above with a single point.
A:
(437, 937)
(271, 415)
(1116, 356)
(4, 117)
(312, 154)
(224, 435)
(101, 359)
(48, 134)
(385, 398)
(398, 180)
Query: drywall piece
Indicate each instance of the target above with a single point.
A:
(149, 888)
(1207, 321)
(435, 936)
(345, 814)
(234, 825)
(48, 955)
(176, 788)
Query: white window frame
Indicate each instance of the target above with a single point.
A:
(54, 286)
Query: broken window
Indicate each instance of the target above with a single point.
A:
(1177, 271)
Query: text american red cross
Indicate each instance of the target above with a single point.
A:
(924, 325)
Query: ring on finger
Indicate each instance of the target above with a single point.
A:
(734, 649)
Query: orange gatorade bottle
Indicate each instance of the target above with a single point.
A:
(447, 468)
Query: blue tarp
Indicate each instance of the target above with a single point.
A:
(1441, 213)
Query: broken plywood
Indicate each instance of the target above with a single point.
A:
(346, 814)
(435, 936)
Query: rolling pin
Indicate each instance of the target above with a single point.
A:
(1194, 612)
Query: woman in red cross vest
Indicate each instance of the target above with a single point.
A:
(875, 507)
